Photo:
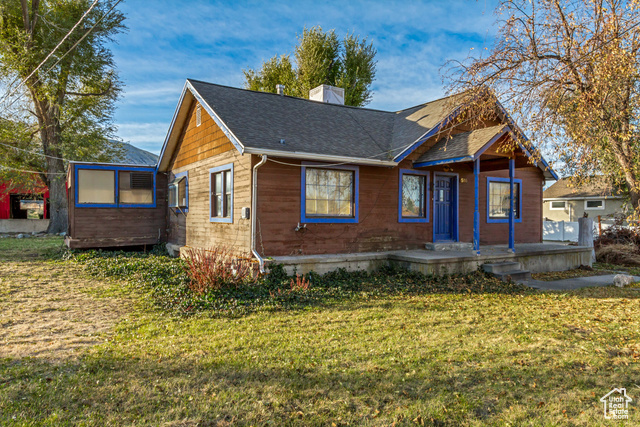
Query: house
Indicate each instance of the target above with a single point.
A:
(277, 176)
(118, 201)
(24, 206)
(563, 201)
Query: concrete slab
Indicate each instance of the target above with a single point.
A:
(535, 257)
(576, 283)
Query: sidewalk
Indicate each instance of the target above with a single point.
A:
(575, 283)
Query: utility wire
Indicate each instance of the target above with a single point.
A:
(36, 153)
(72, 47)
(27, 171)
(53, 51)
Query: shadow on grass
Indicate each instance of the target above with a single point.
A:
(438, 388)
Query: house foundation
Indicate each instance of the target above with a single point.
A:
(535, 257)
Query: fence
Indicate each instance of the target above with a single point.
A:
(567, 231)
(562, 231)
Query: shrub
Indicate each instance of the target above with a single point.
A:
(169, 284)
(619, 235)
(300, 284)
(618, 253)
(218, 268)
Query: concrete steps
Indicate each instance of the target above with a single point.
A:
(448, 246)
(508, 271)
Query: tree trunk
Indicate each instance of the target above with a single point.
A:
(58, 209)
(50, 133)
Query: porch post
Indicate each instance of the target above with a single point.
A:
(512, 206)
(476, 212)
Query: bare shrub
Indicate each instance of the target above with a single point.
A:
(219, 268)
(300, 283)
(618, 253)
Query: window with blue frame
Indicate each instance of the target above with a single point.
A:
(329, 194)
(221, 193)
(413, 196)
(114, 186)
(499, 200)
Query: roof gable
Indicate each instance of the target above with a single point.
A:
(267, 123)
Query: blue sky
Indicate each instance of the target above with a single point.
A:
(170, 41)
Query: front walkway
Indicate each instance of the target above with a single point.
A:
(535, 257)
(574, 283)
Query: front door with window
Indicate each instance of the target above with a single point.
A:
(444, 208)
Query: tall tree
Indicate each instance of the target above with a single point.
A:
(320, 58)
(569, 71)
(59, 102)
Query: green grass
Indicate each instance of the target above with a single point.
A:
(431, 358)
(31, 248)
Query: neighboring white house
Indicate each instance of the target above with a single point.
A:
(564, 202)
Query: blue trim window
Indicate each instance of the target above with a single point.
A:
(221, 193)
(329, 194)
(498, 200)
(413, 196)
(104, 186)
(179, 191)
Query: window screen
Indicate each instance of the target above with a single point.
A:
(499, 199)
(329, 192)
(135, 188)
(96, 186)
(558, 205)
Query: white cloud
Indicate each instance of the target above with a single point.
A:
(148, 136)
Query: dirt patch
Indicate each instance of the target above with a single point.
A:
(54, 311)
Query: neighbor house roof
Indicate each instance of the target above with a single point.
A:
(564, 188)
(268, 123)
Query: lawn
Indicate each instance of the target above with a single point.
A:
(432, 358)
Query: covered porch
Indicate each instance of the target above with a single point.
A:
(479, 152)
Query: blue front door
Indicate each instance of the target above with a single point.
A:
(444, 208)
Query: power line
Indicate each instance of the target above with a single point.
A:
(27, 171)
(72, 47)
(36, 153)
(53, 51)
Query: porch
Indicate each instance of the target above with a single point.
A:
(479, 156)
(535, 257)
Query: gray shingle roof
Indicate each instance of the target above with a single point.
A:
(261, 120)
(461, 145)
(564, 188)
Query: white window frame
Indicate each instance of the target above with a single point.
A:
(586, 208)
(551, 202)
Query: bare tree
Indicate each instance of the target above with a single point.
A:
(569, 72)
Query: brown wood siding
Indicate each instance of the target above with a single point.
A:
(530, 229)
(200, 149)
(200, 142)
(378, 228)
(106, 227)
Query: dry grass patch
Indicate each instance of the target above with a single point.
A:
(51, 310)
